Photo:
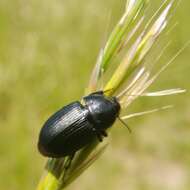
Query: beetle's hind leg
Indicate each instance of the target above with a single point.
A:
(69, 161)
(67, 165)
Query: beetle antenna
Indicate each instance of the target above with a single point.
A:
(125, 124)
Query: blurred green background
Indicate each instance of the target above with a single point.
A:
(47, 51)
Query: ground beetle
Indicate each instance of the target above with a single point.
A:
(78, 124)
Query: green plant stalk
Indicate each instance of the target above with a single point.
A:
(48, 182)
(50, 179)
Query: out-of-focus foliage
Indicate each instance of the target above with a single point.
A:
(47, 51)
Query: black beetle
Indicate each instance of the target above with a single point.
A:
(78, 124)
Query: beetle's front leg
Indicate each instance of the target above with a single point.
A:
(103, 132)
(99, 137)
(100, 134)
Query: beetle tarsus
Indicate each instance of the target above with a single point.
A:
(100, 137)
(101, 134)
(104, 133)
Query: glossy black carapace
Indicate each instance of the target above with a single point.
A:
(78, 124)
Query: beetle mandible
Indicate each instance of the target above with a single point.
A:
(78, 124)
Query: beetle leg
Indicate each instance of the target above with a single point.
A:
(100, 134)
(99, 137)
(67, 165)
(68, 161)
(101, 92)
(104, 133)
